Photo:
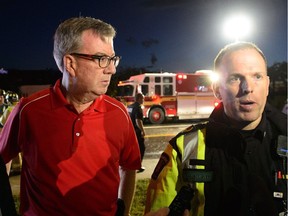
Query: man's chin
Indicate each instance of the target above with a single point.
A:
(248, 119)
(101, 92)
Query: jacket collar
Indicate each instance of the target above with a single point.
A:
(218, 115)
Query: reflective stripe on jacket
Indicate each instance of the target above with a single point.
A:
(167, 178)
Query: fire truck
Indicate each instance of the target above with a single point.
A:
(171, 95)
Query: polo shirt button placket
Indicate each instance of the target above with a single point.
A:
(77, 134)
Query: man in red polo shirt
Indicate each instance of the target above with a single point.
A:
(80, 152)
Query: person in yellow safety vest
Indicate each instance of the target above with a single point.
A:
(236, 162)
(12, 99)
(3, 105)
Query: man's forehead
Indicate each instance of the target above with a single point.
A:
(245, 53)
(244, 56)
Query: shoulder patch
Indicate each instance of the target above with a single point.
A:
(163, 161)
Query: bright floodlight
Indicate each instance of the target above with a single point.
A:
(237, 27)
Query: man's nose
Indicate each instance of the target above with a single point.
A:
(247, 86)
(111, 69)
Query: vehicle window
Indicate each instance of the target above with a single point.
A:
(167, 79)
(157, 79)
(126, 90)
(146, 80)
(158, 89)
(144, 89)
(167, 89)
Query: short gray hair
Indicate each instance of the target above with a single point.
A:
(67, 38)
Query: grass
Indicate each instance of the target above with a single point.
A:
(17, 202)
(138, 205)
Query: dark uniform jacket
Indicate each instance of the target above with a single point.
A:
(245, 167)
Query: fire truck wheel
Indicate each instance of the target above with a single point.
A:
(156, 116)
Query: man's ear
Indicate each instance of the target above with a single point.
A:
(215, 87)
(268, 84)
(70, 64)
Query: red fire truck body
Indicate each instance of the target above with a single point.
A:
(170, 95)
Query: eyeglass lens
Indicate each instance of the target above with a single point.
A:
(105, 61)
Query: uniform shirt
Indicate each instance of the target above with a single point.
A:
(70, 160)
(135, 112)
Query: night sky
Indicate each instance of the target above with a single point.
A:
(168, 35)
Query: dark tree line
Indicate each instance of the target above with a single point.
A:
(13, 79)
(278, 84)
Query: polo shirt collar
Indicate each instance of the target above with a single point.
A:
(99, 104)
(59, 100)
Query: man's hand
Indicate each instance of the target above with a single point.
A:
(164, 212)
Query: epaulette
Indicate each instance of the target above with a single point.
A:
(192, 128)
(164, 158)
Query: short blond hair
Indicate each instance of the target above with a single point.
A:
(235, 47)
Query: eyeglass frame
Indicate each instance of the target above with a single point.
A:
(99, 57)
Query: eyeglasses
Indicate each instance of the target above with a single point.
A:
(103, 61)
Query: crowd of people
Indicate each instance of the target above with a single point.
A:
(81, 149)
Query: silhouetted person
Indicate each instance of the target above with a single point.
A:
(136, 114)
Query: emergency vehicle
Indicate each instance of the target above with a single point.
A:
(171, 95)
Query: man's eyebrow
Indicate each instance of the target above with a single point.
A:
(235, 74)
(104, 54)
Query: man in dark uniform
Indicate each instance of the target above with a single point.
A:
(236, 162)
(136, 114)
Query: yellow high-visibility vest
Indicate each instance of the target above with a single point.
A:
(167, 178)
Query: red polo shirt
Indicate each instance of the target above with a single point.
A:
(70, 161)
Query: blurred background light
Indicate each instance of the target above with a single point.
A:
(237, 27)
